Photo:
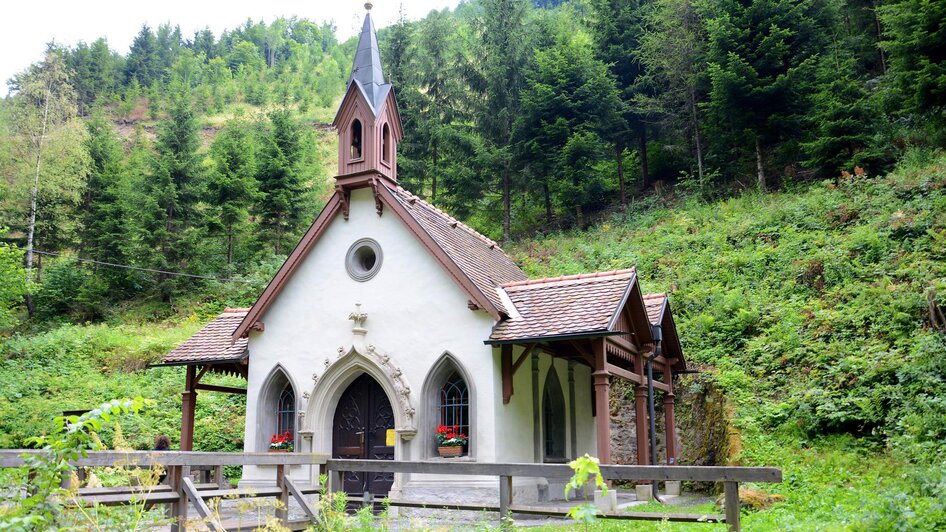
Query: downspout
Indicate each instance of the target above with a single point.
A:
(658, 336)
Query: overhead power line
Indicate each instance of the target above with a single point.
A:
(149, 270)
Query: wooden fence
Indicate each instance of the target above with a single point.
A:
(182, 491)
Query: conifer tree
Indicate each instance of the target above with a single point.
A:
(231, 186)
(762, 55)
(281, 190)
(172, 223)
(502, 62)
(916, 43)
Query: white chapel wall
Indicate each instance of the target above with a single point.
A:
(416, 312)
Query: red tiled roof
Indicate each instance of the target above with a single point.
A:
(213, 343)
(478, 257)
(561, 306)
(655, 303)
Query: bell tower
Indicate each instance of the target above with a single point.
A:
(367, 121)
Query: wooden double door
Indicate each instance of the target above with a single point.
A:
(363, 419)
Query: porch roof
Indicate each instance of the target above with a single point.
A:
(213, 344)
(566, 306)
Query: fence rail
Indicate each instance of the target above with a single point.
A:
(182, 491)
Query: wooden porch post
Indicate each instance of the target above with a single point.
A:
(188, 402)
(602, 399)
(670, 424)
(640, 416)
(506, 365)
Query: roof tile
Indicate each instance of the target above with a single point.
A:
(213, 342)
(557, 306)
(478, 257)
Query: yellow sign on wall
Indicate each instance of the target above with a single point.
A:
(389, 438)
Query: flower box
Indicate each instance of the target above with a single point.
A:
(451, 451)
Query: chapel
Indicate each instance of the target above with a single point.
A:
(391, 318)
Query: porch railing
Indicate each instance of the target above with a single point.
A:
(182, 491)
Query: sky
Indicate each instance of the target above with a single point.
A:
(26, 26)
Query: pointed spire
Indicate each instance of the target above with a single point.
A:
(366, 69)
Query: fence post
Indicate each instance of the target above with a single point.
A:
(179, 508)
(731, 489)
(282, 511)
(505, 500)
(219, 478)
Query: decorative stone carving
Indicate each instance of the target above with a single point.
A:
(358, 317)
(305, 395)
(385, 364)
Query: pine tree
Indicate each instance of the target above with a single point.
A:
(281, 190)
(502, 63)
(916, 43)
(762, 55)
(569, 104)
(232, 187)
(172, 222)
(143, 62)
(617, 26)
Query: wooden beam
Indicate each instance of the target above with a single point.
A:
(624, 344)
(731, 490)
(560, 471)
(300, 498)
(200, 374)
(623, 373)
(202, 509)
(583, 353)
(222, 389)
(522, 358)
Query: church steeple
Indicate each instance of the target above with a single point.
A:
(368, 122)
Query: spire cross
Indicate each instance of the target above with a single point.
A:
(368, 5)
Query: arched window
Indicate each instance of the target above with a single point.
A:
(286, 411)
(553, 418)
(455, 405)
(386, 143)
(356, 139)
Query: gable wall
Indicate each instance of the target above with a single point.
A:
(416, 312)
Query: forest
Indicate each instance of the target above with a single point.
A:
(776, 166)
(209, 154)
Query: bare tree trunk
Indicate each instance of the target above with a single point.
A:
(230, 245)
(880, 50)
(619, 156)
(696, 136)
(548, 202)
(433, 176)
(642, 139)
(30, 307)
(506, 204)
(758, 163)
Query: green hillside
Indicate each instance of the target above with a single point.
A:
(807, 308)
(776, 166)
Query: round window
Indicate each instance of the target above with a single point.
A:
(363, 259)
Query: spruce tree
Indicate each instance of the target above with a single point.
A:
(172, 223)
(280, 203)
(231, 186)
(762, 57)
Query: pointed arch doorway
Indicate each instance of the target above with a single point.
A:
(362, 429)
